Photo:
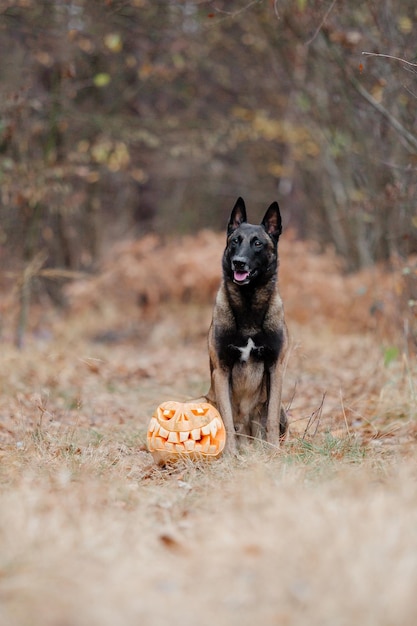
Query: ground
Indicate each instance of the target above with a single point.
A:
(92, 532)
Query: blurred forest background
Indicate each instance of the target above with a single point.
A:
(121, 117)
(125, 127)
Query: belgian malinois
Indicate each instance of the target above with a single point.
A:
(248, 337)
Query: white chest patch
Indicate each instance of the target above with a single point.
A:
(246, 350)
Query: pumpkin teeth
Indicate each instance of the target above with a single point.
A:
(214, 427)
(163, 433)
(159, 443)
(153, 425)
(196, 434)
(205, 444)
(173, 437)
(205, 440)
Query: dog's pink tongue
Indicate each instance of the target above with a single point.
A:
(240, 276)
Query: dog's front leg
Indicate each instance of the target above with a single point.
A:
(224, 406)
(274, 405)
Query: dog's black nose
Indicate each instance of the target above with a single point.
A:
(238, 264)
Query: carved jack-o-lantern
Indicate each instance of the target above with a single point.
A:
(191, 429)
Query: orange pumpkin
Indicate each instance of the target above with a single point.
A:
(185, 429)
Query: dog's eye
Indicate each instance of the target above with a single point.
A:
(235, 241)
(257, 243)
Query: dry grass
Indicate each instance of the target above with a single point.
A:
(323, 531)
(92, 534)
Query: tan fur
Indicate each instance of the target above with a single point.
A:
(241, 395)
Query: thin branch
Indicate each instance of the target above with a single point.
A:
(344, 413)
(57, 273)
(315, 417)
(389, 56)
(320, 26)
(394, 166)
(238, 11)
(319, 415)
(411, 139)
(225, 15)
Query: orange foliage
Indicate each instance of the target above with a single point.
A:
(148, 272)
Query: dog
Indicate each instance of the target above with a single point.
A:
(248, 337)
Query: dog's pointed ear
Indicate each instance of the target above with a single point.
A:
(237, 217)
(272, 221)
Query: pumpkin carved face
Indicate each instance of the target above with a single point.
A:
(192, 429)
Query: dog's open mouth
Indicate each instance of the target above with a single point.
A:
(242, 278)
